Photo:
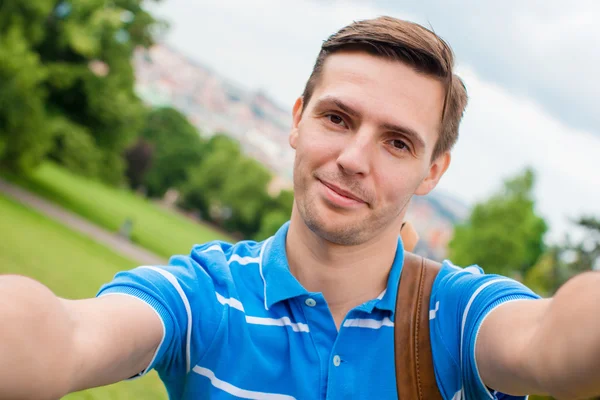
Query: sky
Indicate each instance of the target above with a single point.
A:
(529, 67)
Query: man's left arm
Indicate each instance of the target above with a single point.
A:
(549, 346)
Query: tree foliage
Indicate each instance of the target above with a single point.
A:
(245, 194)
(277, 212)
(75, 147)
(177, 148)
(68, 82)
(203, 190)
(231, 190)
(562, 262)
(67, 93)
(24, 136)
(138, 159)
(503, 234)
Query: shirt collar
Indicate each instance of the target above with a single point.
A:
(388, 301)
(280, 284)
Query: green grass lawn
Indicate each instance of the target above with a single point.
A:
(159, 230)
(73, 266)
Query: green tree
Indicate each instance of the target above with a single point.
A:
(203, 190)
(177, 148)
(270, 223)
(75, 148)
(587, 252)
(24, 137)
(562, 262)
(503, 234)
(138, 159)
(284, 202)
(70, 62)
(230, 189)
(277, 212)
(245, 194)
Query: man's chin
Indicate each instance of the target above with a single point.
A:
(340, 232)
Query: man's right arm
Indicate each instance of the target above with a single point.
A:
(50, 346)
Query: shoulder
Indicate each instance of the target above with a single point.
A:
(186, 280)
(220, 255)
(190, 294)
(225, 263)
(463, 286)
(461, 298)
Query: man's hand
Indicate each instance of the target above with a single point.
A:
(51, 346)
(409, 236)
(547, 346)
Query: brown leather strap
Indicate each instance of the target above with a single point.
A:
(415, 377)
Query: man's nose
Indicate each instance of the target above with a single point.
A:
(356, 155)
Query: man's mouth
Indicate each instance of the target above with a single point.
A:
(342, 192)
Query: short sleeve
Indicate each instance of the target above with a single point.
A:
(461, 298)
(183, 295)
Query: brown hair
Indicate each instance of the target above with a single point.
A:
(411, 44)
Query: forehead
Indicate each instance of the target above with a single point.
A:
(383, 91)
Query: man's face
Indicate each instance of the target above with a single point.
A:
(363, 146)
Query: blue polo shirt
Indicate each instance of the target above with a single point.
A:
(237, 324)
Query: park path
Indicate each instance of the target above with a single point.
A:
(100, 235)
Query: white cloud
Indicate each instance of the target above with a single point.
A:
(266, 44)
(546, 49)
(502, 133)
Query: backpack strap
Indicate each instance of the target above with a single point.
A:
(415, 376)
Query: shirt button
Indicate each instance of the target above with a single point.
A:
(337, 360)
(310, 302)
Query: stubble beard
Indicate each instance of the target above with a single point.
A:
(338, 233)
(344, 232)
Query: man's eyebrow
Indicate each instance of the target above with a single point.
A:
(409, 132)
(330, 100)
(405, 130)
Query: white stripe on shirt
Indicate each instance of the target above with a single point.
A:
(171, 278)
(214, 247)
(234, 257)
(466, 313)
(236, 391)
(283, 321)
(243, 260)
(260, 269)
(367, 323)
(235, 303)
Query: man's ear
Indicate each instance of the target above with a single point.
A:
(436, 170)
(297, 116)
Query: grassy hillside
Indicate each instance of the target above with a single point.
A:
(159, 230)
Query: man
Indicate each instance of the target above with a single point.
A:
(309, 313)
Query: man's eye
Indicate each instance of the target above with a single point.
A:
(336, 119)
(399, 144)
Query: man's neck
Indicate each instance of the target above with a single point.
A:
(346, 275)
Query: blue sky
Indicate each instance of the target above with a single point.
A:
(530, 69)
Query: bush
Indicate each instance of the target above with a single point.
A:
(75, 149)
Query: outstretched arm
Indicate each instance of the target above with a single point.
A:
(51, 346)
(547, 346)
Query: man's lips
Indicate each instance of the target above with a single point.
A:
(342, 192)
